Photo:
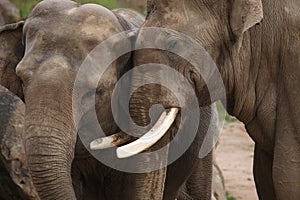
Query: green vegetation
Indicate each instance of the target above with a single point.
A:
(26, 6)
(229, 197)
(107, 3)
(222, 112)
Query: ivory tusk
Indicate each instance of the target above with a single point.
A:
(110, 141)
(151, 137)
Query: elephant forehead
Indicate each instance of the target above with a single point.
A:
(53, 23)
(66, 19)
(72, 13)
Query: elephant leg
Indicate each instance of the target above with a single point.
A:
(263, 174)
(87, 179)
(198, 186)
(286, 166)
(77, 182)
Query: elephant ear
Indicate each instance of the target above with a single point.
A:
(13, 164)
(11, 53)
(244, 15)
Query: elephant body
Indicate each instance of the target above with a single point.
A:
(255, 45)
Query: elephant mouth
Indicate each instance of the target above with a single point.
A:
(141, 144)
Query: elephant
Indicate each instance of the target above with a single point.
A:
(40, 61)
(255, 47)
(15, 179)
(9, 13)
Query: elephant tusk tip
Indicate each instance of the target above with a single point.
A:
(96, 144)
(110, 141)
(123, 154)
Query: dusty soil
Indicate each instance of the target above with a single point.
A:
(235, 157)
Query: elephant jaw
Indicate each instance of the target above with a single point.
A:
(159, 129)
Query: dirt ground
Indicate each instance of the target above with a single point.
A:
(235, 157)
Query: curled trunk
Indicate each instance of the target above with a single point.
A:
(151, 184)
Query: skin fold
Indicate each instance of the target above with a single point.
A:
(255, 45)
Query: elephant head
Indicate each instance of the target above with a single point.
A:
(40, 59)
(218, 28)
(203, 23)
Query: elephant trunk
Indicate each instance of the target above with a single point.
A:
(50, 143)
(151, 184)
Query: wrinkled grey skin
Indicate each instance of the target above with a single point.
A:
(259, 63)
(58, 35)
(15, 178)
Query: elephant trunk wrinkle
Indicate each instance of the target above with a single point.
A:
(50, 144)
(148, 185)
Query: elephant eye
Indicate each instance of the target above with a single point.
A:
(171, 44)
(175, 44)
(88, 96)
(90, 93)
